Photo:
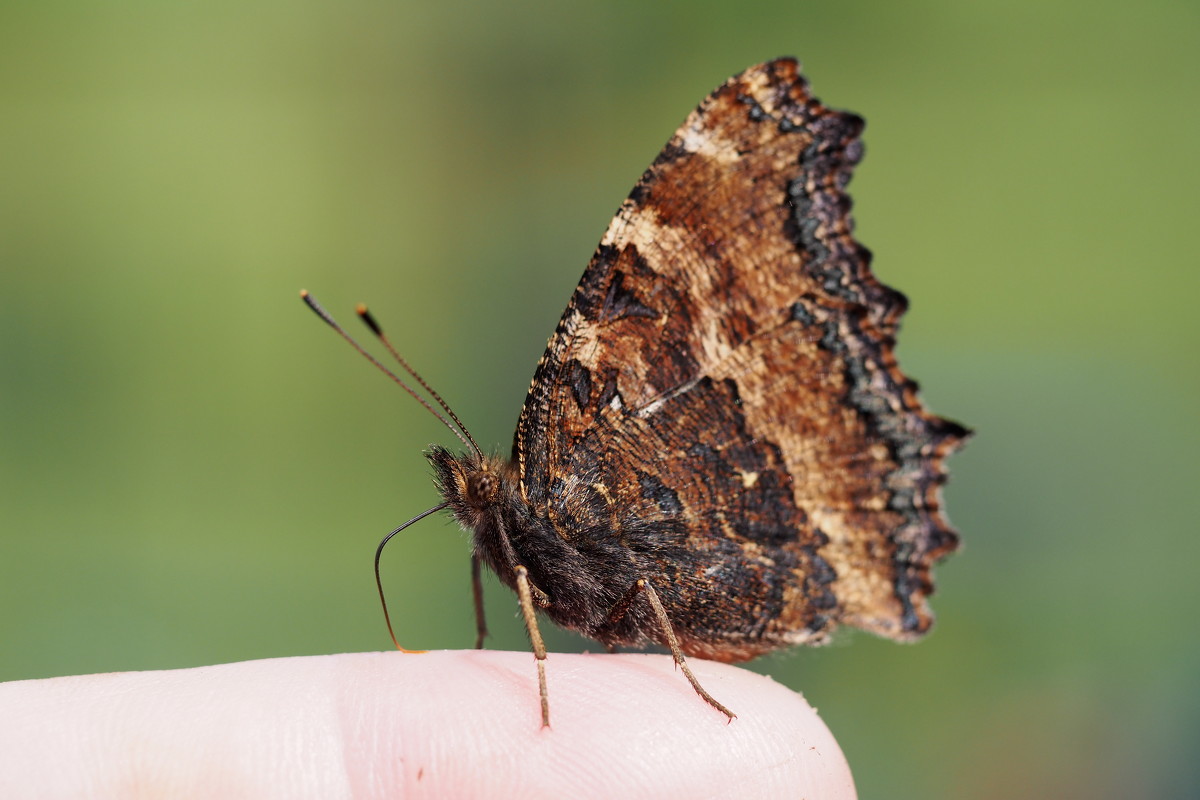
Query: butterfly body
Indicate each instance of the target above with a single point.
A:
(720, 413)
(718, 452)
(583, 570)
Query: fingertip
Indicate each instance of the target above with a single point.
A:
(624, 725)
(440, 724)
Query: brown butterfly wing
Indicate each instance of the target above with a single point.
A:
(723, 383)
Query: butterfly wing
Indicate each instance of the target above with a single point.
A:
(722, 394)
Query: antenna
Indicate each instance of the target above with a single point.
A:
(369, 320)
(457, 428)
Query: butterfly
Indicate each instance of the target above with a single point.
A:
(718, 453)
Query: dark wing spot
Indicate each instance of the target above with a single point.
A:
(620, 302)
(580, 381)
(608, 388)
(657, 492)
(801, 314)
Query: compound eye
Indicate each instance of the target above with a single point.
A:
(482, 488)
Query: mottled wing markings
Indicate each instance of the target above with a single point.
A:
(724, 375)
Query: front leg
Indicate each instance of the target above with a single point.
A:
(621, 608)
(481, 630)
(527, 593)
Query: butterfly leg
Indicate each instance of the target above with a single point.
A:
(621, 607)
(526, 593)
(481, 630)
(643, 586)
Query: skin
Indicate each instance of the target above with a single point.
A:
(438, 724)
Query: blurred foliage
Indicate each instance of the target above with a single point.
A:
(194, 470)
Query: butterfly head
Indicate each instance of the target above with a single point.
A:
(474, 486)
(483, 493)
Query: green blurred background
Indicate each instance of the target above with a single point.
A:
(194, 470)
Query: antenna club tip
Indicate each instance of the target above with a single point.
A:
(304, 292)
(369, 319)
